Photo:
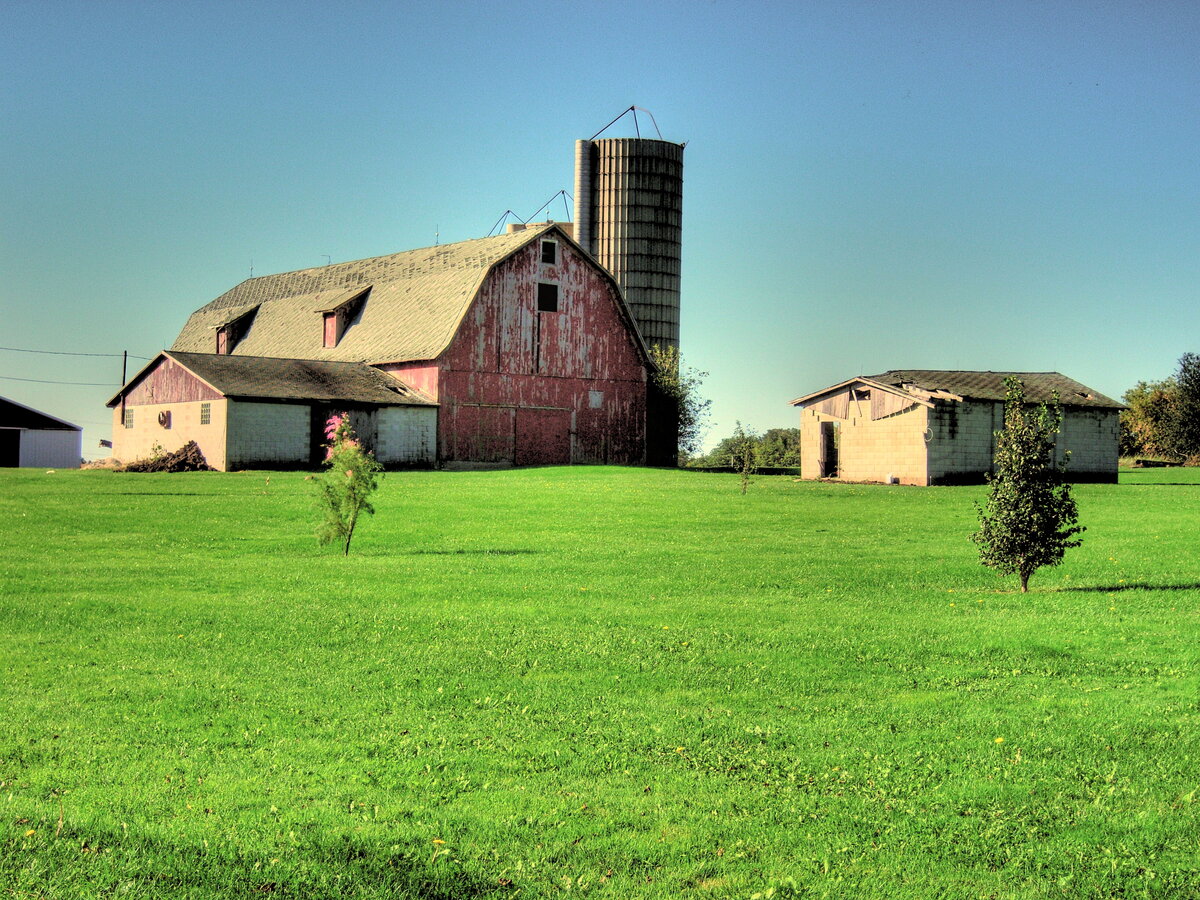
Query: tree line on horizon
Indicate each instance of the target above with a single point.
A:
(1163, 417)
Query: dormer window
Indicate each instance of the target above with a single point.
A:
(232, 330)
(550, 253)
(337, 318)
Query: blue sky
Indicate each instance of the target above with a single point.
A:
(868, 185)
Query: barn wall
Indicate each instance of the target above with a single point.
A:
(406, 435)
(139, 442)
(169, 382)
(422, 376)
(892, 447)
(57, 449)
(1092, 437)
(268, 434)
(961, 444)
(579, 367)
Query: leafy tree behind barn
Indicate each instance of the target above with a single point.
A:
(678, 412)
(1030, 519)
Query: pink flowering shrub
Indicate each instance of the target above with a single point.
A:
(351, 475)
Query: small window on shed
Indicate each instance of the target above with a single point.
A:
(550, 253)
(547, 297)
(205, 413)
(330, 329)
(127, 419)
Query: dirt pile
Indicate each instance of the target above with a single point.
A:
(187, 458)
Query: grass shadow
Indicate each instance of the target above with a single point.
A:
(482, 552)
(340, 868)
(1174, 484)
(1133, 586)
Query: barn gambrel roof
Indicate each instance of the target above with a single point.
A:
(404, 307)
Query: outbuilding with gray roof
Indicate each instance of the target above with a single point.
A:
(926, 426)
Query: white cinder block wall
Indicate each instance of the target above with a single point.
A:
(406, 435)
(267, 434)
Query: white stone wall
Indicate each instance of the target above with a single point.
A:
(961, 445)
(406, 435)
(870, 450)
(138, 442)
(268, 434)
(1092, 437)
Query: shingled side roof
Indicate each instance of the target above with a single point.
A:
(417, 300)
(1040, 387)
(927, 384)
(270, 378)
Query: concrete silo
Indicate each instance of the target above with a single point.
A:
(629, 216)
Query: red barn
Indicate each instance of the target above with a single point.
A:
(515, 350)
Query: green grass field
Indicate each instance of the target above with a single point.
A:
(613, 682)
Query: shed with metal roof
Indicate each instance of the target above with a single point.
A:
(33, 439)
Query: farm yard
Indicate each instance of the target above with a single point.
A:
(599, 681)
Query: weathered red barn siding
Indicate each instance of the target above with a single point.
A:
(525, 387)
(169, 382)
(423, 376)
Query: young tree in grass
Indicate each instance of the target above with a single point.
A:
(351, 476)
(743, 453)
(1030, 517)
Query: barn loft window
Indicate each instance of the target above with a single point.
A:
(337, 319)
(205, 413)
(547, 297)
(550, 253)
(127, 419)
(233, 330)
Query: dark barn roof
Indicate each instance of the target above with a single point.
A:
(16, 415)
(927, 385)
(1040, 387)
(271, 378)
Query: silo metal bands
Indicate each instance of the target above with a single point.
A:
(629, 215)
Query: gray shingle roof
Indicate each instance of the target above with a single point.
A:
(269, 378)
(416, 301)
(1040, 387)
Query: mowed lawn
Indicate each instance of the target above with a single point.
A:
(614, 682)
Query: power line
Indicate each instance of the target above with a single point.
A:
(68, 353)
(80, 383)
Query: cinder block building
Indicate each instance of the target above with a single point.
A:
(517, 349)
(926, 427)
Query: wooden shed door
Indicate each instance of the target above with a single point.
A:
(829, 450)
(543, 437)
